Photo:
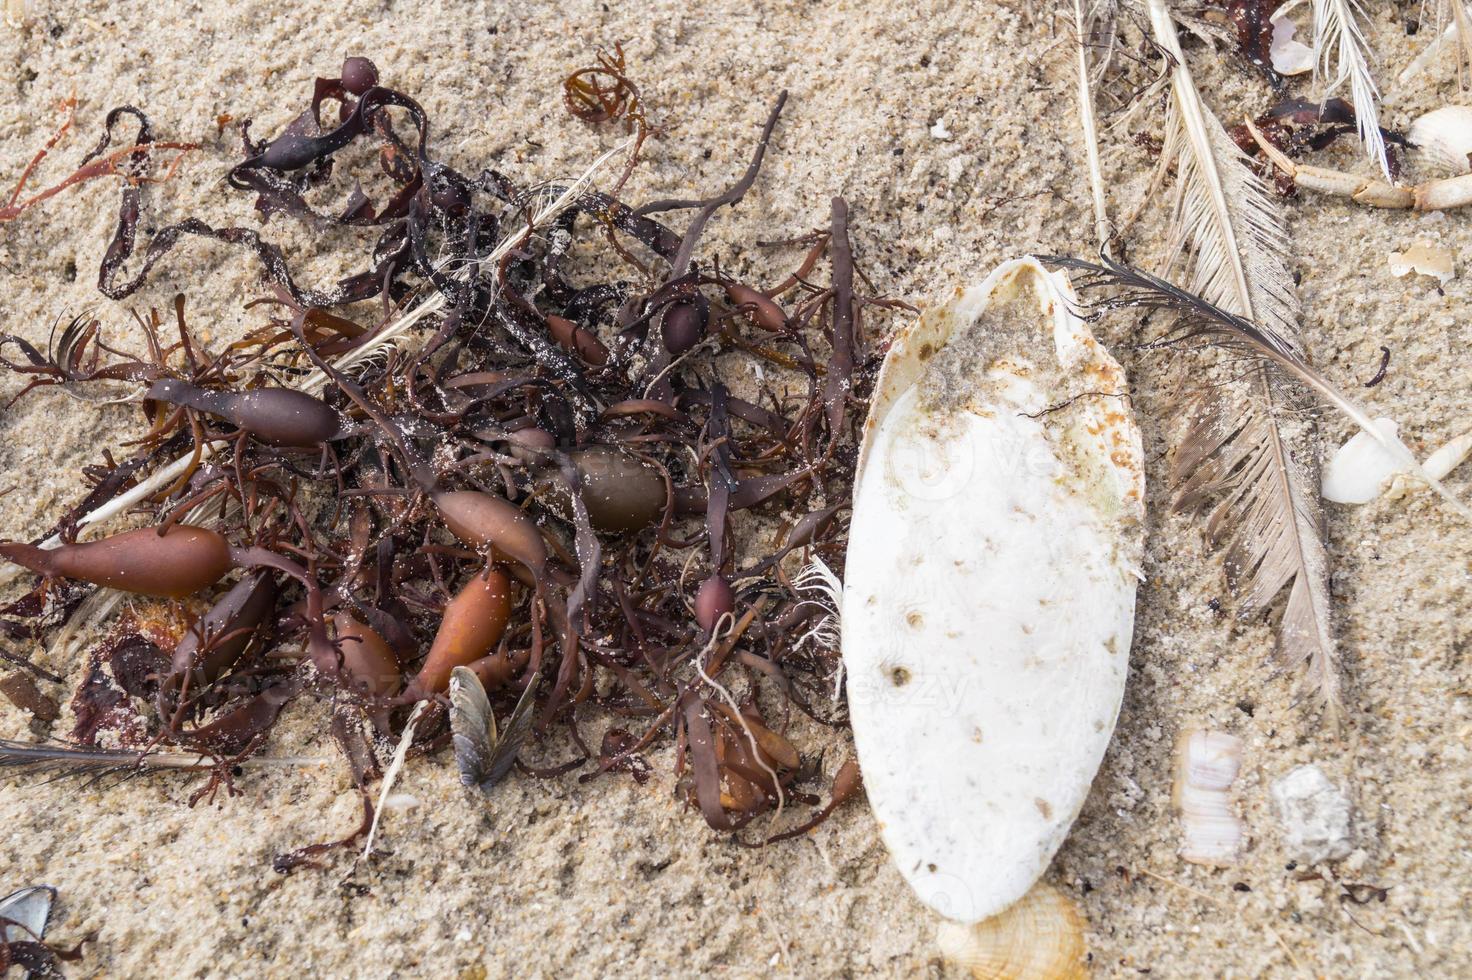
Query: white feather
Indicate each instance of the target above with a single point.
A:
(1339, 41)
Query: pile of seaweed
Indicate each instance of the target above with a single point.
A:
(496, 471)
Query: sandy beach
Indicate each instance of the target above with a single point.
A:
(952, 131)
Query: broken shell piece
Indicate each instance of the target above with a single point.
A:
(1438, 465)
(1315, 816)
(1360, 470)
(1206, 764)
(1443, 137)
(990, 589)
(1041, 937)
(1425, 259)
(1288, 56)
(27, 912)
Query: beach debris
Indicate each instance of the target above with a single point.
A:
(1193, 318)
(1244, 454)
(1314, 814)
(25, 913)
(989, 592)
(1340, 41)
(1206, 764)
(1288, 55)
(21, 690)
(1450, 28)
(483, 754)
(1358, 471)
(1443, 138)
(1038, 937)
(1361, 470)
(1428, 260)
(504, 468)
(1438, 194)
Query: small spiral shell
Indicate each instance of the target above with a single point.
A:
(1039, 937)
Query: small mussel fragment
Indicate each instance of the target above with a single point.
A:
(367, 660)
(758, 307)
(470, 629)
(683, 325)
(218, 639)
(278, 416)
(172, 565)
(622, 492)
(485, 521)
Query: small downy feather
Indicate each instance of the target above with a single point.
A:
(1247, 447)
(483, 755)
(1339, 41)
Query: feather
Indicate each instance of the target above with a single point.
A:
(1233, 455)
(1339, 40)
(1093, 25)
(1199, 319)
(58, 760)
(391, 774)
(1246, 445)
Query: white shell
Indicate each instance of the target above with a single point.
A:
(1444, 138)
(1361, 470)
(1040, 937)
(1206, 764)
(1288, 55)
(1315, 815)
(990, 585)
(1428, 260)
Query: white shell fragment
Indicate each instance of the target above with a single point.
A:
(1206, 764)
(1428, 260)
(1443, 138)
(1358, 470)
(1361, 470)
(1288, 55)
(29, 909)
(990, 587)
(1040, 937)
(1315, 816)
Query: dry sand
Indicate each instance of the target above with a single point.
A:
(612, 879)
